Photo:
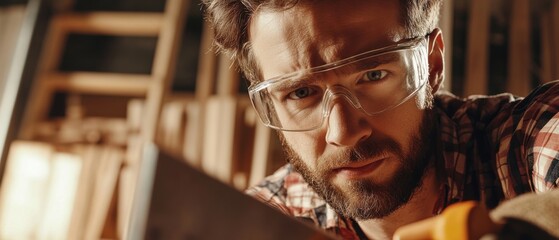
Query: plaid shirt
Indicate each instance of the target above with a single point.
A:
(492, 148)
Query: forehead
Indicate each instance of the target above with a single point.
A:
(313, 33)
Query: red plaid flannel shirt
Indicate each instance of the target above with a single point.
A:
(492, 148)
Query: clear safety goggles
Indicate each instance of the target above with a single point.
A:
(373, 82)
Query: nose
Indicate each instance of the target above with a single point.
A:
(347, 125)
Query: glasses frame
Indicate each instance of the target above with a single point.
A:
(400, 46)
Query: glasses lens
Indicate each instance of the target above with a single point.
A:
(372, 82)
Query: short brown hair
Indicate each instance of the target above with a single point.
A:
(231, 18)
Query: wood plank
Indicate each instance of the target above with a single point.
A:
(205, 82)
(477, 48)
(206, 78)
(227, 77)
(84, 195)
(193, 142)
(164, 63)
(11, 19)
(100, 83)
(110, 163)
(4, 31)
(220, 151)
(36, 109)
(172, 126)
(555, 27)
(246, 138)
(261, 151)
(41, 94)
(111, 23)
(446, 24)
(61, 194)
(520, 59)
(546, 73)
(11, 32)
(24, 189)
(134, 113)
(127, 182)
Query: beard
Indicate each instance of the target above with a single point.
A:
(366, 199)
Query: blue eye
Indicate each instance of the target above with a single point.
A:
(374, 75)
(301, 93)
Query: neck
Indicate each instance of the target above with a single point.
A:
(418, 208)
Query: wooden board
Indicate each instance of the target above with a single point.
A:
(477, 48)
(519, 60)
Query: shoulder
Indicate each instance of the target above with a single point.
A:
(528, 140)
(475, 108)
(542, 136)
(521, 135)
(495, 108)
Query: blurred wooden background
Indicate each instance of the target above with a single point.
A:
(83, 93)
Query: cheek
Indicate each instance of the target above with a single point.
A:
(307, 145)
(401, 123)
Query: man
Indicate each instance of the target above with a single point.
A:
(350, 86)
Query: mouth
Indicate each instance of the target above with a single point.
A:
(359, 169)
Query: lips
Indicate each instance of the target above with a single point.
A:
(359, 169)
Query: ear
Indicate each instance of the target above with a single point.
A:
(436, 59)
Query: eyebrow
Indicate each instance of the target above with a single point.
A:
(369, 63)
(304, 78)
(295, 81)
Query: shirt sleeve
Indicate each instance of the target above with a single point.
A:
(538, 134)
(528, 143)
(545, 152)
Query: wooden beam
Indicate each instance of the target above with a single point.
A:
(446, 24)
(164, 63)
(206, 78)
(227, 77)
(100, 83)
(220, 154)
(477, 48)
(546, 73)
(205, 82)
(111, 23)
(555, 32)
(520, 59)
(11, 19)
(40, 96)
(261, 152)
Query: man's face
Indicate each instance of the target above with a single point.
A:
(365, 167)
